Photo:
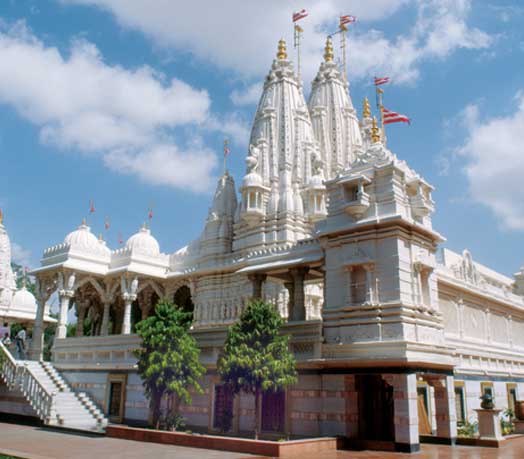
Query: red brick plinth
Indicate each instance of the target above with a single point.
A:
(237, 445)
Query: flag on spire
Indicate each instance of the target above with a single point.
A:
(92, 209)
(347, 19)
(107, 223)
(381, 80)
(226, 147)
(394, 117)
(298, 15)
(150, 213)
(120, 239)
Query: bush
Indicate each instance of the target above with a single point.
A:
(468, 429)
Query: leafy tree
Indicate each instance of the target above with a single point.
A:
(168, 360)
(256, 357)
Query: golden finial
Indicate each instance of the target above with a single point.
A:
(328, 50)
(282, 51)
(366, 110)
(1, 217)
(375, 136)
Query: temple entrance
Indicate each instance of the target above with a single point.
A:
(424, 423)
(223, 409)
(183, 300)
(376, 409)
(273, 412)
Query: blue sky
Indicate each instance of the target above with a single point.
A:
(127, 104)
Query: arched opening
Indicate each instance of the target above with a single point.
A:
(183, 300)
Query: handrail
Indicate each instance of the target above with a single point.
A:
(18, 374)
(8, 367)
(39, 398)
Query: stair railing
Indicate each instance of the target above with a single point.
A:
(8, 367)
(39, 398)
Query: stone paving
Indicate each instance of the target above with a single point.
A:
(36, 443)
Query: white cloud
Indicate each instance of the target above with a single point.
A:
(83, 104)
(494, 165)
(241, 36)
(20, 256)
(247, 96)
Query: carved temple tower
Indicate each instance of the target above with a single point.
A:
(282, 148)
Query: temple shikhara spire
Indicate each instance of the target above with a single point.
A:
(330, 226)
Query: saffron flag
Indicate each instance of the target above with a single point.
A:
(226, 148)
(107, 223)
(120, 239)
(91, 207)
(381, 80)
(347, 19)
(150, 213)
(394, 117)
(299, 15)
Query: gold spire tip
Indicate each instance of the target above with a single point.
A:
(375, 136)
(366, 110)
(328, 50)
(1, 217)
(282, 49)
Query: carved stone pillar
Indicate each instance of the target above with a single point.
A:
(65, 297)
(81, 311)
(298, 312)
(37, 345)
(126, 323)
(104, 328)
(129, 294)
(445, 407)
(257, 281)
(290, 286)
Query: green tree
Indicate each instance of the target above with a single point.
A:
(168, 359)
(256, 357)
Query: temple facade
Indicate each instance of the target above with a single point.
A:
(394, 337)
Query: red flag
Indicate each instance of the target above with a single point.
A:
(120, 240)
(107, 223)
(394, 117)
(150, 213)
(382, 80)
(92, 209)
(347, 19)
(226, 148)
(297, 16)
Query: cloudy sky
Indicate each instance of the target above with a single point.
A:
(127, 102)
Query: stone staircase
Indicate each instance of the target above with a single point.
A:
(50, 396)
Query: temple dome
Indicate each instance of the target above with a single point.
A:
(252, 180)
(24, 301)
(143, 242)
(82, 238)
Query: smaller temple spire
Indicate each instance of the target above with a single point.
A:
(328, 50)
(366, 109)
(1, 217)
(375, 136)
(282, 49)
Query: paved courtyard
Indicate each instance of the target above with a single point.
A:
(36, 443)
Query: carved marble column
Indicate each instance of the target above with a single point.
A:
(44, 289)
(65, 298)
(129, 294)
(445, 407)
(81, 309)
(290, 287)
(369, 268)
(298, 312)
(104, 329)
(126, 323)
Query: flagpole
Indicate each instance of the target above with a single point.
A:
(380, 106)
(297, 36)
(226, 148)
(343, 30)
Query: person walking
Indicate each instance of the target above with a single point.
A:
(21, 338)
(6, 341)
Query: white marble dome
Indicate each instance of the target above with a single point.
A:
(252, 180)
(143, 242)
(82, 238)
(24, 301)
